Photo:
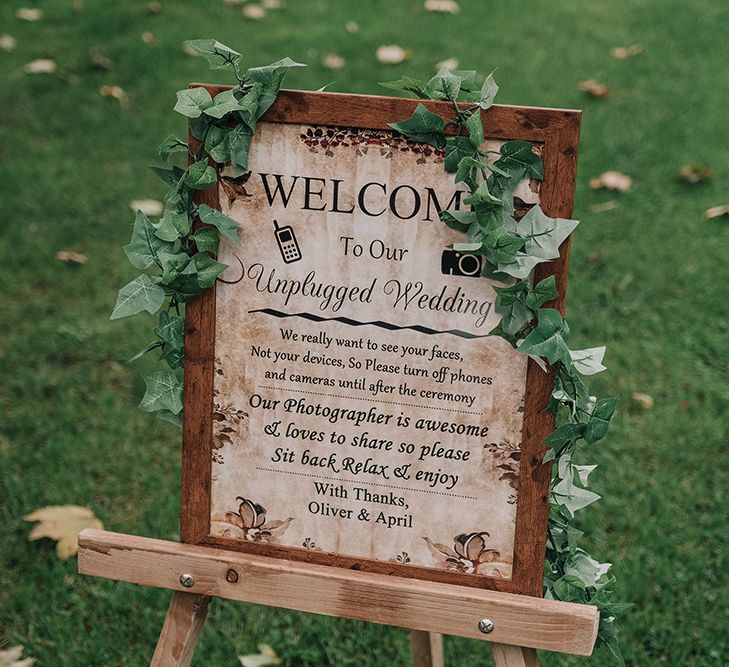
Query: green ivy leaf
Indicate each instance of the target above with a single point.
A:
(545, 290)
(599, 422)
(520, 161)
(510, 304)
(458, 220)
(408, 85)
(138, 295)
(218, 55)
(170, 176)
(570, 589)
(216, 144)
(207, 240)
(547, 338)
(270, 77)
(423, 126)
(222, 222)
(468, 168)
(565, 435)
(572, 497)
(456, 149)
(170, 145)
(445, 85)
(145, 248)
(200, 176)
(150, 346)
(164, 392)
(185, 287)
(170, 417)
(191, 102)
(224, 103)
(488, 92)
(173, 225)
(475, 129)
(239, 141)
(588, 361)
(248, 106)
(171, 329)
(207, 269)
(175, 265)
(502, 246)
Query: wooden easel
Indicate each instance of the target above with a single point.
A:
(516, 625)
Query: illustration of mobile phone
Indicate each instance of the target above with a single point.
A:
(287, 243)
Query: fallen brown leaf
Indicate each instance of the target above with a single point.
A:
(272, 4)
(643, 401)
(594, 88)
(71, 256)
(333, 61)
(444, 6)
(150, 207)
(448, 63)
(7, 42)
(188, 50)
(622, 52)
(716, 211)
(267, 656)
(695, 173)
(392, 54)
(611, 180)
(11, 658)
(351, 27)
(28, 14)
(254, 12)
(117, 92)
(604, 206)
(77, 6)
(154, 7)
(100, 61)
(149, 38)
(62, 523)
(41, 66)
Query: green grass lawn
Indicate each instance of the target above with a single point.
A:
(648, 279)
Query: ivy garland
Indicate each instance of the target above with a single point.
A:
(183, 268)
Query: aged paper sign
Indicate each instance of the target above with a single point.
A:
(359, 406)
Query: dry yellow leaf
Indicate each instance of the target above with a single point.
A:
(28, 14)
(62, 523)
(695, 173)
(622, 52)
(100, 61)
(716, 211)
(77, 6)
(611, 180)
(149, 38)
(71, 256)
(444, 6)
(333, 61)
(448, 63)
(267, 656)
(190, 51)
(11, 658)
(254, 12)
(150, 207)
(154, 7)
(643, 401)
(117, 92)
(392, 54)
(351, 27)
(594, 88)
(41, 66)
(7, 42)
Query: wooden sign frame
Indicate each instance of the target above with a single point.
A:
(557, 131)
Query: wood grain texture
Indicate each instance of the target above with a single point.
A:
(558, 131)
(180, 632)
(426, 649)
(418, 605)
(514, 656)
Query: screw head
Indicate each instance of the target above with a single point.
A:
(486, 625)
(231, 576)
(187, 580)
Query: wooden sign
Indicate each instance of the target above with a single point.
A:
(344, 402)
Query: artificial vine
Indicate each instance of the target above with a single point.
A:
(179, 256)
(511, 251)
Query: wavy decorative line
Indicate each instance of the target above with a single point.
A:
(376, 323)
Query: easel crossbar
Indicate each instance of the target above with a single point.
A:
(419, 605)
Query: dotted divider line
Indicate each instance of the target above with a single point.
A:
(354, 481)
(373, 400)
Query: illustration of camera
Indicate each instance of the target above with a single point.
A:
(454, 263)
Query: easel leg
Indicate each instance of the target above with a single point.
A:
(183, 623)
(514, 656)
(426, 648)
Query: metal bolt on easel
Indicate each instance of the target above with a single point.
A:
(486, 625)
(187, 580)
